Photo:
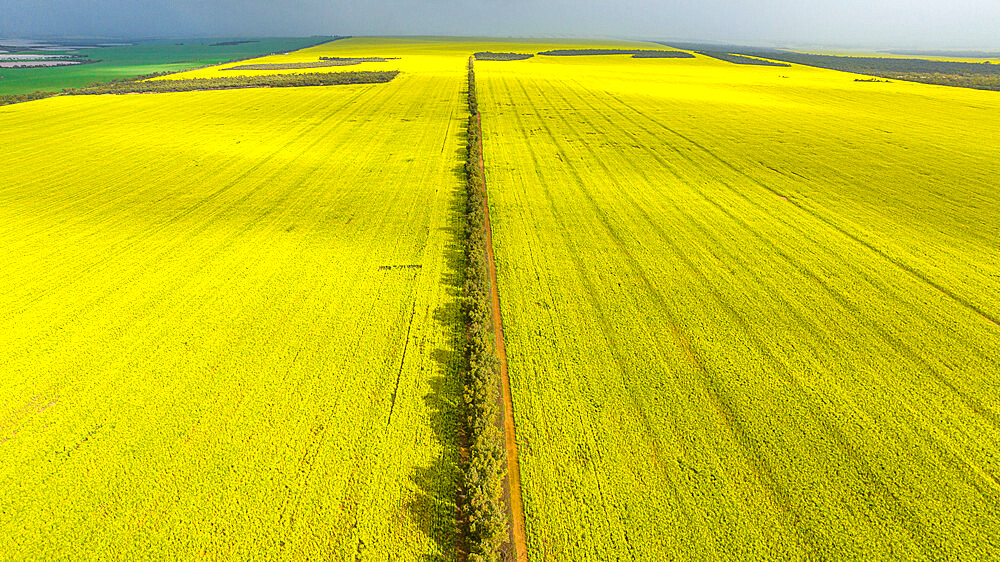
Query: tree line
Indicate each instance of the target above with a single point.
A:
(235, 82)
(483, 518)
(487, 55)
(140, 86)
(977, 75)
(19, 98)
(980, 76)
(741, 59)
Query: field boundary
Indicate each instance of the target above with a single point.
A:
(515, 502)
(493, 522)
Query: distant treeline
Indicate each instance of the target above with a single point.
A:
(487, 55)
(322, 63)
(980, 76)
(740, 59)
(953, 54)
(232, 43)
(483, 523)
(235, 82)
(636, 53)
(323, 39)
(19, 98)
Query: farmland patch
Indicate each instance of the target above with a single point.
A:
(729, 325)
(741, 59)
(200, 354)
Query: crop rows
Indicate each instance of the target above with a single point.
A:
(732, 331)
(202, 354)
(750, 312)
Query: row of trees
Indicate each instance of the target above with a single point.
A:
(980, 76)
(233, 82)
(885, 65)
(139, 86)
(484, 521)
(741, 59)
(488, 55)
(18, 98)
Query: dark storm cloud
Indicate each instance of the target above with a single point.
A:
(960, 23)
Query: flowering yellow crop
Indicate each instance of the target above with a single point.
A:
(750, 312)
(201, 351)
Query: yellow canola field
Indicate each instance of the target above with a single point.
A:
(203, 354)
(751, 313)
(424, 55)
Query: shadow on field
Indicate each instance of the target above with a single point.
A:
(433, 508)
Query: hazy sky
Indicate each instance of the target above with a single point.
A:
(871, 23)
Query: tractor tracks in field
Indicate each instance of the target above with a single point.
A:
(402, 363)
(856, 237)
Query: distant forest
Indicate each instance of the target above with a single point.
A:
(980, 76)
(741, 59)
(236, 82)
(953, 54)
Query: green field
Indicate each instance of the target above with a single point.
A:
(146, 57)
(750, 312)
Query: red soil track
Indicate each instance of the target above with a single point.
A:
(517, 528)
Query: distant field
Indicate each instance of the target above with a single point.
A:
(955, 71)
(229, 323)
(136, 60)
(750, 312)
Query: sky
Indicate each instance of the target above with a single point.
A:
(861, 23)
